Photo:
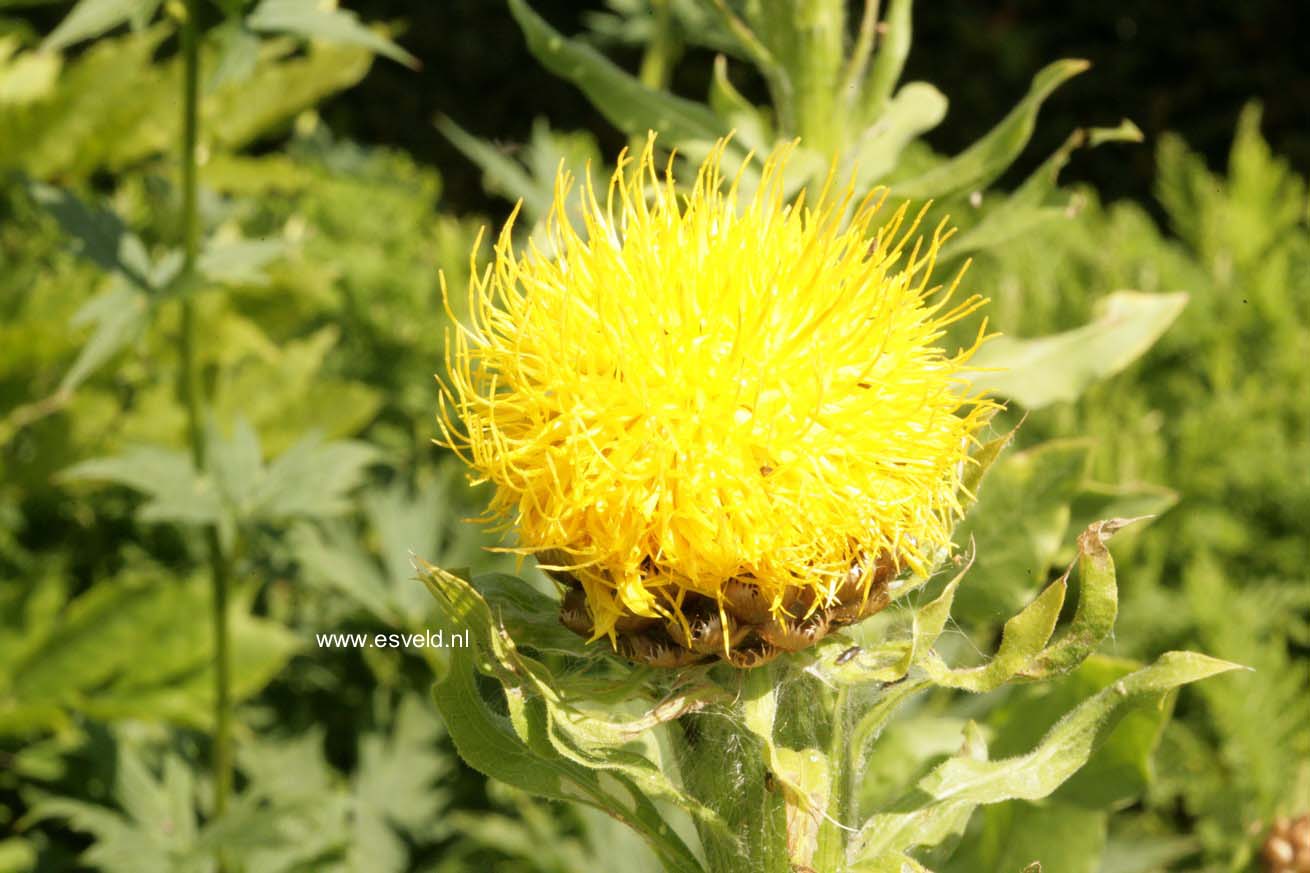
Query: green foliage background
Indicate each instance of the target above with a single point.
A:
(321, 324)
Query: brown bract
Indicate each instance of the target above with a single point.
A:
(741, 627)
(1287, 848)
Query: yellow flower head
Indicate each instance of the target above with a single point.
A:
(699, 394)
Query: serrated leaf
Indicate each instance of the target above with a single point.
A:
(976, 167)
(622, 98)
(1045, 370)
(236, 462)
(99, 235)
(119, 847)
(239, 262)
(165, 476)
(139, 646)
(312, 478)
(119, 315)
(314, 20)
(159, 825)
(331, 557)
(396, 783)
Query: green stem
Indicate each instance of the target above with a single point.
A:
(662, 51)
(830, 852)
(818, 33)
(192, 399)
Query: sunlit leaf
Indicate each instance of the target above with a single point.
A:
(954, 788)
(93, 17)
(314, 20)
(1038, 372)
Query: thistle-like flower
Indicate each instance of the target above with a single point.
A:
(724, 422)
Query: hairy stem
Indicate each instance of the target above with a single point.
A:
(193, 400)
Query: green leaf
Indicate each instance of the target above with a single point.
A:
(1098, 603)
(239, 262)
(175, 493)
(530, 176)
(119, 315)
(331, 558)
(980, 461)
(138, 645)
(285, 391)
(1018, 526)
(975, 167)
(1120, 771)
(917, 108)
(752, 125)
(837, 663)
(1142, 853)
(26, 78)
(312, 478)
(1022, 639)
(501, 173)
(397, 784)
(530, 617)
(519, 751)
(892, 862)
(93, 17)
(236, 463)
(622, 98)
(1140, 500)
(313, 20)
(1015, 835)
(1029, 206)
(158, 833)
(238, 55)
(1050, 369)
(17, 855)
(260, 649)
(98, 235)
(948, 795)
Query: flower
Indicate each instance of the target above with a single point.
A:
(723, 421)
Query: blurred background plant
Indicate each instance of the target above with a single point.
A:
(319, 324)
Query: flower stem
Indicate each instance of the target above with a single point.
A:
(192, 398)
